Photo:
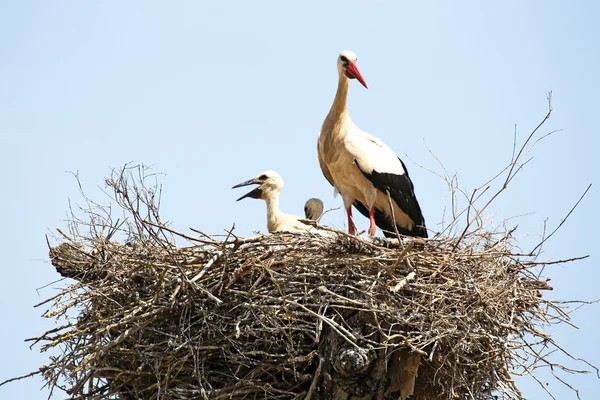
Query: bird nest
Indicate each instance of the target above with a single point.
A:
(288, 316)
(294, 316)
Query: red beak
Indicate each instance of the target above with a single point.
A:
(353, 72)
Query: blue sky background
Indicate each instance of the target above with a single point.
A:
(212, 93)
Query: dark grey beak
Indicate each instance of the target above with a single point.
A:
(254, 194)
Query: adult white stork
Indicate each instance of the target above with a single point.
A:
(363, 169)
(313, 209)
(269, 187)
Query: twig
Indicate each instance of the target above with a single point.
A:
(563, 221)
(21, 377)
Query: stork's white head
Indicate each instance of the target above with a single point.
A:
(268, 182)
(313, 209)
(346, 65)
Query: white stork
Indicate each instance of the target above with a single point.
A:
(363, 169)
(270, 185)
(313, 209)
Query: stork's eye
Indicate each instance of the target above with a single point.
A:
(343, 58)
(262, 177)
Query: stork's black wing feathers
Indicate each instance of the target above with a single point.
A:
(402, 192)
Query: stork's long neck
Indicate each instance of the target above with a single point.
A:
(273, 213)
(338, 114)
(341, 96)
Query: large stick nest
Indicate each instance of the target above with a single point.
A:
(252, 318)
(289, 316)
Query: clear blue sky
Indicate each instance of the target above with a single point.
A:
(212, 93)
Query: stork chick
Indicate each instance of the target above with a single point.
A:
(269, 187)
(363, 169)
(313, 209)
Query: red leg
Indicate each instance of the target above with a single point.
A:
(372, 226)
(351, 226)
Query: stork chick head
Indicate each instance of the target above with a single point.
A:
(268, 182)
(313, 208)
(346, 64)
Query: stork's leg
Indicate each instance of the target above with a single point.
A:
(351, 226)
(372, 226)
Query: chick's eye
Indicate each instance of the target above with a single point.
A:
(262, 177)
(343, 58)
